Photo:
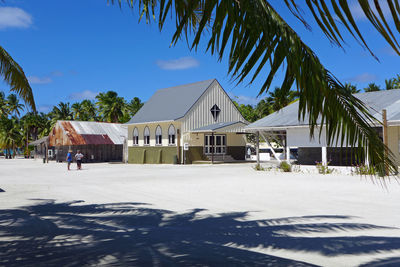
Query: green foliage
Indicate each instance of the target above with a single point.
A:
(323, 168)
(363, 169)
(14, 76)
(280, 98)
(372, 87)
(285, 166)
(258, 167)
(351, 88)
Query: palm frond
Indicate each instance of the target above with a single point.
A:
(15, 77)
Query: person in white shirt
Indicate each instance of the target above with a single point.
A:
(78, 157)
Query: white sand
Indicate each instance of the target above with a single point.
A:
(329, 220)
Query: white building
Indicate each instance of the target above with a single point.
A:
(285, 122)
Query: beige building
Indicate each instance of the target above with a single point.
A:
(192, 122)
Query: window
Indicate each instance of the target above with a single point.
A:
(215, 110)
(171, 135)
(146, 135)
(135, 136)
(158, 135)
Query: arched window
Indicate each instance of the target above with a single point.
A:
(171, 135)
(135, 136)
(158, 135)
(146, 135)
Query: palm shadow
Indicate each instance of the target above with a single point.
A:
(119, 234)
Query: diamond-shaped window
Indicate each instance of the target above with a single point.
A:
(215, 112)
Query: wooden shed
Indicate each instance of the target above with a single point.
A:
(97, 141)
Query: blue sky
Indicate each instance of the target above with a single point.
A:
(71, 50)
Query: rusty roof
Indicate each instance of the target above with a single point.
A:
(93, 133)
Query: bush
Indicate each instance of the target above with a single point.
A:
(323, 168)
(363, 169)
(285, 167)
(258, 167)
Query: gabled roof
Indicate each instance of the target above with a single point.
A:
(94, 133)
(39, 141)
(375, 101)
(171, 103)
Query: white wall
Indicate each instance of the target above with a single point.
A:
(300, 137)
(200, 115)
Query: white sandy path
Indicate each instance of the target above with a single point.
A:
(218, 189)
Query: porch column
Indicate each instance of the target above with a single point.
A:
(178, 145)
(213, 147)
(258, 147)
(287, 153)
(385, 139)
(324, 156)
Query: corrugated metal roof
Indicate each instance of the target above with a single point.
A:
(91, 132)
(171, 103)
(217, 126)
(375, 101)
(39, 141)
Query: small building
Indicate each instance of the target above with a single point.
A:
(40, 147)
(187, 123)
(97, 141)
(296, 134)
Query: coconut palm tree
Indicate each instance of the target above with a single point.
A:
(89, 110)
(11, 135)
(13, 105)
(258, 41)
(15, 77)
(77, 111)
(372, 87)
(61, 112)
(111, 106)
(3, 105)
(351, 88)
(280, 98)
(134, 105)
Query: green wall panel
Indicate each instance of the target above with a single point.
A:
(152, 155)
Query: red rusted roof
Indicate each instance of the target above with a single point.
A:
(73, 136)
(97, 139)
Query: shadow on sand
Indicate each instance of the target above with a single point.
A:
(121, 234)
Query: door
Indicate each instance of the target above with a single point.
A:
(217, 142)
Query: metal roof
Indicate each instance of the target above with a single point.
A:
(217, 126)
(91, 132)
(375, 101)
(39, 141)
(171, 103)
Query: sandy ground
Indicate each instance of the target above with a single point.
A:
(165, 215)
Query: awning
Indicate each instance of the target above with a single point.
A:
(232, 126)
(39, 141)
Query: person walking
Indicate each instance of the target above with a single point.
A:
(79, 157)
(69, 158)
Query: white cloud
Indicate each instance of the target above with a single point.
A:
(178, 64)
(87, 94)
(363, 78)
(246, 100)
(39, 80)
(57, 73)
(44, 108)
(14, 17)
(358, 13)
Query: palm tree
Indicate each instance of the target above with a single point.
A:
(372, 87)
(89, 110)
(390, 83)
(15, 77)
(77, 111)
(134, 106)
(13, 105)
(111, 106)
(61, 112)
(252, 33)
(280, 98)
(351, 88)
(10, 134)
(3, 105)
